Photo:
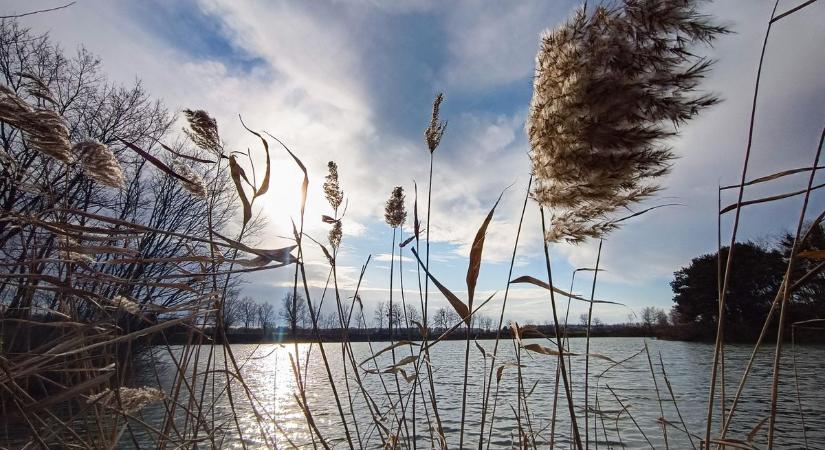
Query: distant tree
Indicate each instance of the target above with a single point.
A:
(293, 310)
(452, 318)
(266, 314)
(413, 315)
(661, 318)
(231, 308)
(247, 311)
(597, 322)
(331, 320)
(756, 276)
(809, 298)
(441, 319)
(648, 315)
(380, 315)
(583, 319)
(395, 316)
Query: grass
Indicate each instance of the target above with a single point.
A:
(65, 380)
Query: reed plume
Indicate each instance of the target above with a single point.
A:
(394, 212)
(99, 163)
(332, 189)
(437, 127)
(132, 400)
(37, 88)
(126, 304)
(609, 88)
(203, 131)
(194, 183)
(45, 130)
(335, 234)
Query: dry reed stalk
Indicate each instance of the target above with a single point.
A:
(785, 299)
(587, 349)
(501, 322)
(729, 263)
(658, 395)
(675, 403)
(576, 437)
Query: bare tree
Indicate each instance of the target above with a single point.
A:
(380, 315)
(649, 316)
(583, 319)
(266, 314)
(395, 316)
(441, 319)
(413, 315)
(247, 311)
(231, 313)
(293, 310)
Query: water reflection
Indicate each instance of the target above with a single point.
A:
(623, 409)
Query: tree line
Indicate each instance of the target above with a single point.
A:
(753, 284)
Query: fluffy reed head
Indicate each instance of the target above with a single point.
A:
(332, 188)
(193, 183)
(394, 212)
(609, 88)
(37, 88)
(203, 130)
(68, 247)
(335, 234)
(126, 304)
(45, 130)
(435, 131)
(132, 400)
(99, 163)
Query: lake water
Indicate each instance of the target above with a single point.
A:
(633, 423)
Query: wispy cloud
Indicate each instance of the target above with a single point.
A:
(354, 82)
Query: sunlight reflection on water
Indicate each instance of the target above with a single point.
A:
(268, 374)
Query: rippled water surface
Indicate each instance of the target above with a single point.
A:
(623, 408)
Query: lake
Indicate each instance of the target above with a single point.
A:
(626, 415)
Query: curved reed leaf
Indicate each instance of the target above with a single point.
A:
(539, 283)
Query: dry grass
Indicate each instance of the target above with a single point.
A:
(610, 86)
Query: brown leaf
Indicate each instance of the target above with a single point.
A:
(812, 254)
(475, 255)
(460, 308)
(539, 283)
(236, 171)
(544, 350)
(265, 183)
(773, 176)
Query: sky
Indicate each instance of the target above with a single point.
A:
(354, 82)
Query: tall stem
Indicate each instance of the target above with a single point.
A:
(720, 321)
(587, 349)
(576, 437)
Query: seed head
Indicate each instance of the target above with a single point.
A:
(44, 130)
(132, 400)
(68, 247)
(436, 129)
(204, 131)
(609, 89)
(394, 212)
(335, 235)
(194, 183)
(126, 304)
(99, 163)
(332, 188)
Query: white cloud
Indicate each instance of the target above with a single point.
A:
(314, 89)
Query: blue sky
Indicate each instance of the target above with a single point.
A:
(354, 81)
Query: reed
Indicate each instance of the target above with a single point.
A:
(94, 280)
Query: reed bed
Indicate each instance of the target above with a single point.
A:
(80, 284)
